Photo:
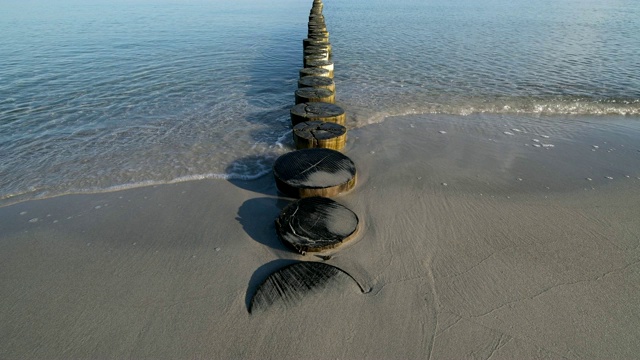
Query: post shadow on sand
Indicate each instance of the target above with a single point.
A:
(257, 217)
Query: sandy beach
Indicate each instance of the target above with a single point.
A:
(481, 236)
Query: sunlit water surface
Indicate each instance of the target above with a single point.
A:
(100, 95)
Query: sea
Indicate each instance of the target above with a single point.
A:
(100, 95)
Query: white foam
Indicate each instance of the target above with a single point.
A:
(282, 139)
(508, 133)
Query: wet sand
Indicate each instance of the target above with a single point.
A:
(482, 236)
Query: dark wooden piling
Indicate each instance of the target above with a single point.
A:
(323, 48)
(321, 82)
(317, 111)
(315, 224)
(324, 64)
(315, 72)
(314, 172)
(311, 42)
(314, 57)
(316, 51)
(319, 134)
(306, 95)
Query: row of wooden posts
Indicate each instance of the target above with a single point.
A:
(313, 173)
(317, 170)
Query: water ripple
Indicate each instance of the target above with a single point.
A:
(95, 96)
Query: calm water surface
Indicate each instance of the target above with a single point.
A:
(97, 95)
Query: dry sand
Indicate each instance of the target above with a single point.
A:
(475, 243)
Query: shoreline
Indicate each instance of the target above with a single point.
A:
(518, 255)
(498, 124)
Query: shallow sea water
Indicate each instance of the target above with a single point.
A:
(105, 95)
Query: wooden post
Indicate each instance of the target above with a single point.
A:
(314, 57)
(321, 82)
(319, 37)
(315, 224)
(325, 48)
(316, 9)
(314, 172)
(315, 72)
(317, 32)
(313, 42)
(315, 51)
(308, 94)
(317, 24)
(317, 29)
(317, 111)
(319, 134)
(324, 64)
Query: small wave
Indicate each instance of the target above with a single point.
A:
(35, 194)
(367, 114)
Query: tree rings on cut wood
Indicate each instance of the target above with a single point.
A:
(321, 82)
(317, 111)
(315, 72)
(315, 224)
(319, 134)
(314, 172)
(308, 94)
